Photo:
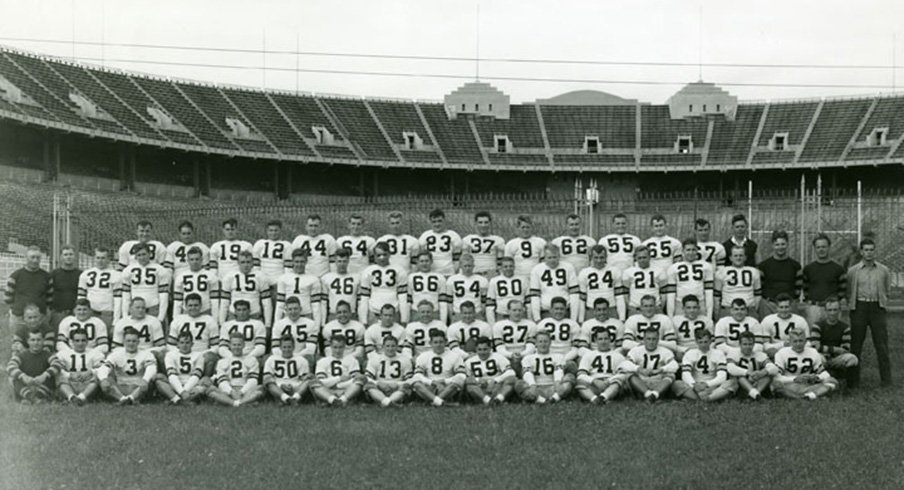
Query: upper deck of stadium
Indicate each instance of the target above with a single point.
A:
(282, 126)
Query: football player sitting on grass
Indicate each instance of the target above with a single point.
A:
(184, 368)
(287, 374)
(751, 371)
(703, 374)
(388, 375)
(77, 378)
(800, 370)
(31, 371)
(439, 374)
(491, 378)
(543, 374)
(237, 375)
(600, 379)
(128, 371)
(652, 367)
(339, 379)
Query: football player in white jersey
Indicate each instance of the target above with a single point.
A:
(543, 376)
(182, 380)
(751, 371)
(600, 281)
(738, 281)
(388, 375)
(197, 280)
(417, 332)
(374, 335)
(304, 332)
(126, 373)
(339, 378)
(252, 331)
(525, 249)
(150, 332)
(550, 279)
(602, 320)
(238, 375)
(224, 254)
(710, 251)
(362, 246)
(248, 285)
(513, 337)
(272, 255)
(642, 280)
(503, 289)
(439, 374)
(77, 378)
(564, 335)
(485, 248)
(776, 328)
(490, 377)
(101, 285)
(649, 318)
(287, 374)
(600, 379)
(403, 248)
(321, 247)
(574, 248)
(443, 244)
(691, 320)
(305, 287)
(204, 331)
(340, 285)
(146, 280)
(382, 284)
(801, 373)
(620, 245)
(463, 333)
(729, 328)
(651, 367)
(427, 285)
(664, 249)
(690, 276)
(347, 326)
(177, 251)
(156, 250)
(464, 286)
(703, 372)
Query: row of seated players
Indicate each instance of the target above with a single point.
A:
(382, 283)
(539, 363)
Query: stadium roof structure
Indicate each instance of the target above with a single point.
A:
(581, 131)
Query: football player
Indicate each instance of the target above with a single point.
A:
(77, 377)
(800, 370)
(690, 276)
(439, 374)
(514, 336)
(224, 254)
(503, 289)
(751, 371)
(526, 250)
(374, 335)
(600, 379)
(417, 332)
(465, 332)
(832, 338)
(776, 328)
(543, 374)
(382, 284)
(426, 285)
(443, 244)
(703, 372)
(738, 281)
(641, 280)
(146, 280)
(93, 326)
(710, 250)
(184, 368)
(388, 375)
(550, 279)
(361, 246)
(564, 335)
(649, 318)
(101, 285)
(197, 280)
(651, 367)
(201, 326)
(485, 249)
(620, 245)
(271, 255)
(177, 251)
(600, 281)
(304, 332)
(689, 322)
(601, 321)
(490, 377)
(252, 330)
(306, 288)
(466, 286)
(348, 327)
(237, 380)
(287, 374)
(574, 247)
(156, 250)
(339, 379)
(729, 329)
(664, 250)
(321, 247)
(249, 286)
(340, 285)
(402, 247)
(126, 373)
(149, 330)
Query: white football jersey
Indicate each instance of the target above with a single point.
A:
(177, 256)
(712, 252)
(224, 256)
(526, 252)
(337, 287)
(575, 250)
(383, 285)
(100, 286)
(204, 283)
(362, 248)
(461, 288)
(126, 257)
(620, 249)
(501, 290)
(445, 248)
(146, 282)
(204, 331)
(321, 251)
(486, 250)
(664, 251)
(274, 257)
(402, 250)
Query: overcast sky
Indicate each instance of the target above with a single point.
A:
(823, 32)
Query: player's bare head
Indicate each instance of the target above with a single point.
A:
(437, 340)
(739, 226)
(703, 337)
(690, 249)
(184, 341)
(102, 257)
(642, 256)
(525, 226)
(274, 228)
(657, 224)
(507, 266)
(738, 256)
(390, 345)
(246, 261)
(381, 253)
(516, 309)
(484, 346)
(424, 261)
(739, 309)
(78, 338)
(237, 343)
(620, 223)
(783, 304)
(601, 339)
(137, 307)
(293, 307)
(798, 338)
(437, 220)
(82, 308)
(242, 310)
(192, 303)
(648, 305)
(230, 228)
(702, 229)
(598, 254)
(142, 253)
(287, 345)
(690, 304)
(746, 341)
(186, 231)
(466, 261)
(573, 224)
(343, 311)
(144, 229)
(387, 315)
(195, 258)
(651, 338)
(395, 221)
(833, 308)
(468, 311)
(551, 255)
(355, 222)
(31, 314)
(558, 306)
(601, 308)
(300, 259)
(343, 256)
(542, 340)
(425, 310)
(312, 225)
(483, 220)
(780, 243)
(130, 338)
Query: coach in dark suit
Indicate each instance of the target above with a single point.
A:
(868, 286)
(739, 238)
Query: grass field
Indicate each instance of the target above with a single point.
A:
(848, 440)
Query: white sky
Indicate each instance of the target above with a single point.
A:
(746, 32)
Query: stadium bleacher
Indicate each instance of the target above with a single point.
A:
(522, 128)
(58, 109)
(730, 144)
(218, 110)
(361, 127)
(567, 126)
(257, 107)
(453, 135)
(837, 122)
(659, 130)
(889, 113)
(792, 117)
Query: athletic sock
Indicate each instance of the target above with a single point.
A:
(556, 398)
(811, 395)
(236, 403)
(332, 399)
(487, 399)
(754, 393)
(500, 398)
(437, 401)
(175, 399)
(594, 399)
(541, 399)
(385, 402)
(284, 398)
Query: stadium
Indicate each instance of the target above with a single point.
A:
(87, 151)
